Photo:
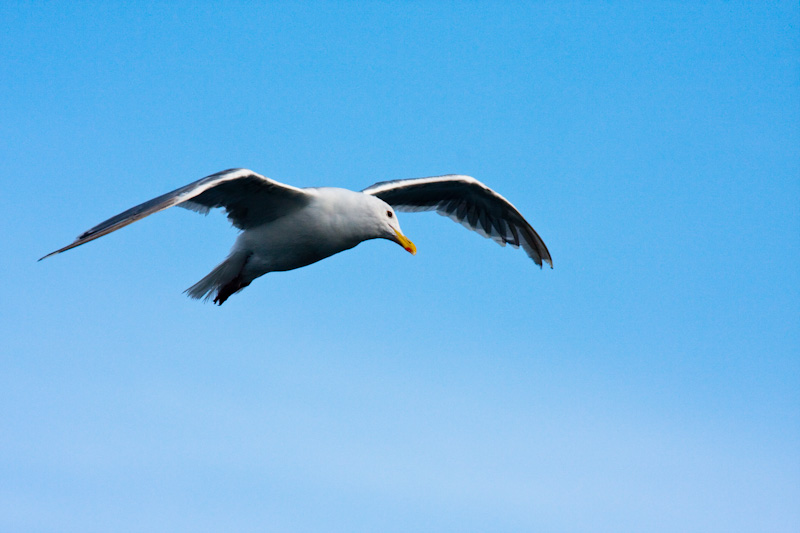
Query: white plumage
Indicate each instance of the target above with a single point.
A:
(285, 227)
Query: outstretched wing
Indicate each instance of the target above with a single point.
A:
(469, 202)
(249, 199)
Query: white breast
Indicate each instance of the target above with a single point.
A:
(333, 222)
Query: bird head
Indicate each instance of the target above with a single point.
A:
(390, 226)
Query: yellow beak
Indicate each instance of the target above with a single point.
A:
(403, 241)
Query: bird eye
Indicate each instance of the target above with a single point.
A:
(389, 214)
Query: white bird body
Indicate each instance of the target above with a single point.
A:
(308, 235)
(284, 227)
(334, 220)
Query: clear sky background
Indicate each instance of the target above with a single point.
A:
(649, 382)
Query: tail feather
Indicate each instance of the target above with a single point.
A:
(224, 274)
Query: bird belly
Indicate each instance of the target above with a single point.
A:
(287, 244)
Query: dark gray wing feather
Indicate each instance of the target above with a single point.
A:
(469, 202)
(249, 199)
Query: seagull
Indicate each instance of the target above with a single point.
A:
(285, 227)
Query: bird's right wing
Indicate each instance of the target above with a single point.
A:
(249, 199)
(468, 202)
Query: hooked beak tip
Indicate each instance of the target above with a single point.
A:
(404, 241)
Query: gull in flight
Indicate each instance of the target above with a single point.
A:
(285, 227)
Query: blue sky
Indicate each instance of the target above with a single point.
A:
(649, 382)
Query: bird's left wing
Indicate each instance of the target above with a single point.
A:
(469, 202)
(249, 199)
